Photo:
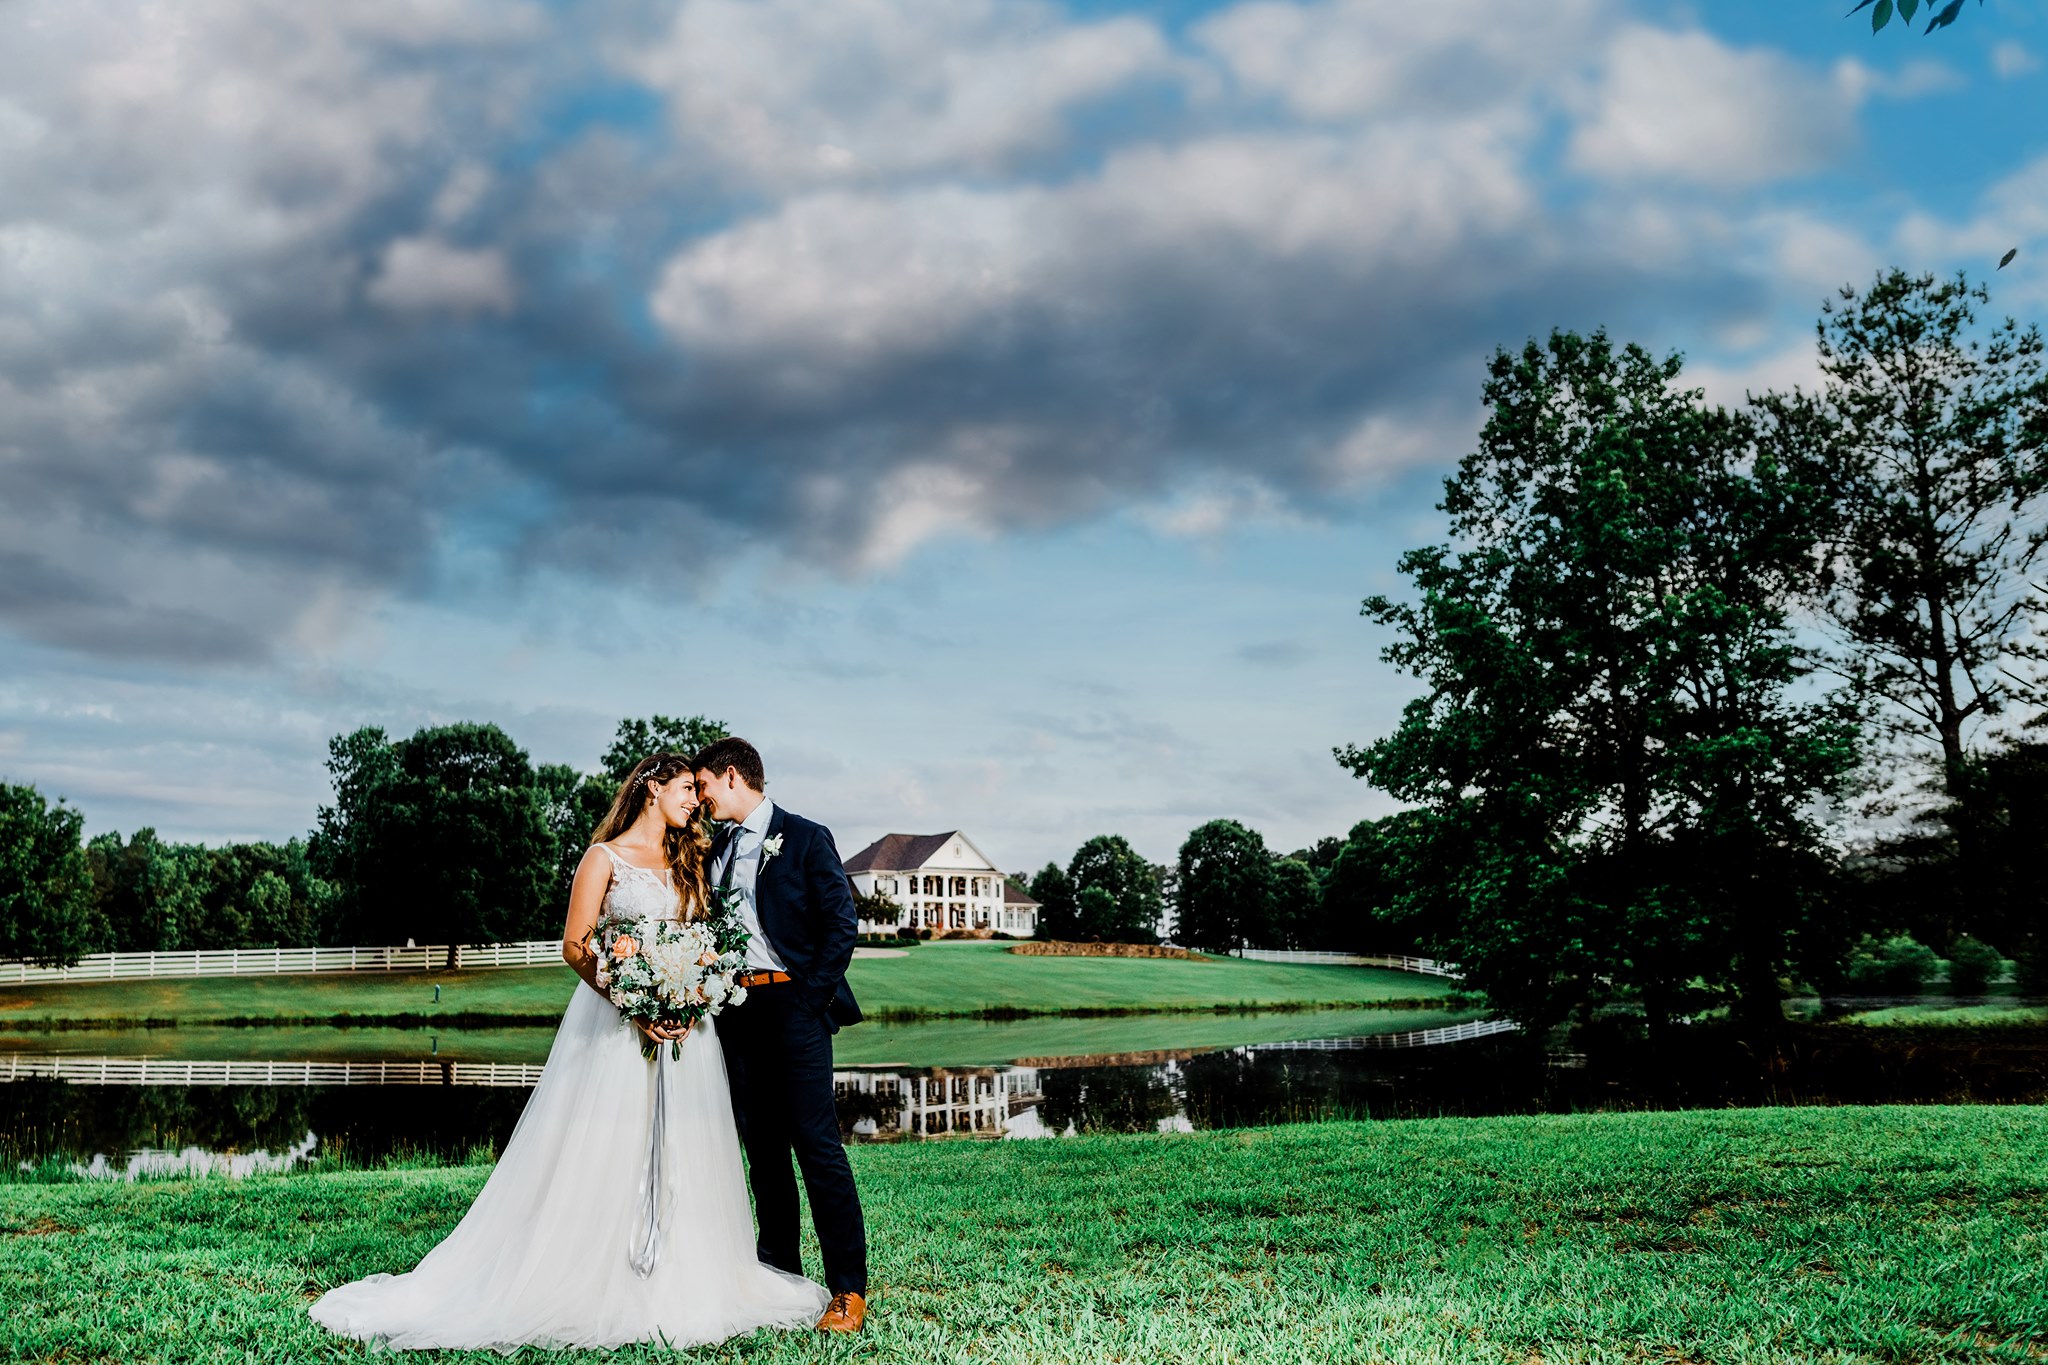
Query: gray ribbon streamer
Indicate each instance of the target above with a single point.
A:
(645, 1248)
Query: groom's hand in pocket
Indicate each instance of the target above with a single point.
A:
(815, 1000)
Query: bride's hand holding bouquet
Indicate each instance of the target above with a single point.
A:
(663, 976)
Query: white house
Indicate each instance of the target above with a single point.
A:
(929, 1104)
(943, 883)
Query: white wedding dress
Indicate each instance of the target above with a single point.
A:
(543, 1257)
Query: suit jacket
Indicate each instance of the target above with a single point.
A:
(805, 903)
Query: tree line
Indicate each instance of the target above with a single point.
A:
(1224, 890)
(450, 835)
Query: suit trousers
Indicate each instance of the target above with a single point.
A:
(778, 1057)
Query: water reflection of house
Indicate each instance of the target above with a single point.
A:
(943, 883)
(934, 1103)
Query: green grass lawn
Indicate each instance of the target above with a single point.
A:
(951, 978)
(930, 1042)
(1988, 1012)
(1787, 1235)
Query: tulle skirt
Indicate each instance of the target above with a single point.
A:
(542, 1256)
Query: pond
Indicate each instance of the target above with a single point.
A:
(239, 1100)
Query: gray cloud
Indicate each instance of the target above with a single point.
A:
(296, 301)
(50, 603)
(1276, 653)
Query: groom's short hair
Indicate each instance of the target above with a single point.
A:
(735, 753)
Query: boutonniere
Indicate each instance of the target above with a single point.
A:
(771, 847)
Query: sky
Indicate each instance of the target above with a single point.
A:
(993, 409)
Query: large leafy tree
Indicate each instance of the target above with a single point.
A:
(159, 895)
(1226, 887)
(1295, 910)
(636, 739)
(152, 892)
(440, 837)
(1613, 775)
(1097, 916)
(263, 895)
(47, 909)
(1109, 864)
(1360, 910)
(2012, 787)
(1937, 434)
(1059, 910)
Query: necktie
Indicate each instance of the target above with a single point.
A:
(732, 862)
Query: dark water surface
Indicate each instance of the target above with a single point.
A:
(1381, 1071)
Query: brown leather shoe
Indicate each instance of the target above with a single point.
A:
(845, 1313)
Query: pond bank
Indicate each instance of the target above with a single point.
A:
(924, 1042)
(1839, 1234)
(964, 980)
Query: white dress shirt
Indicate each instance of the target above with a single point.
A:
(745, 845)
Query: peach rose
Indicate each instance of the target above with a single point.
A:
(707, 959)
(624, 947)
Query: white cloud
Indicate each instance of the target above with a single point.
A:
(1728, 383)
(1685, 107)
(1217, 507)
(1385, 442)
(423, 274)
(460, 193)
(2010, 60)
(839, 299)
(1910, 82)
(1808, 256)
(916, 503)
(2012, 213)
(1350, 58)
(848, 281)
(187, 475)
(832, 285)
(790, 91)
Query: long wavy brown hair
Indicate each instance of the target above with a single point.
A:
(687, 848)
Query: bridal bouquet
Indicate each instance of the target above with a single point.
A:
(661, 972)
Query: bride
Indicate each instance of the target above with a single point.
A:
(548, 1253)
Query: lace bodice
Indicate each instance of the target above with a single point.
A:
(637, 892)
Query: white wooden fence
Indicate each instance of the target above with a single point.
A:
(1422, 1037)
(1427, 965)
(287, 961)
(165, 1071)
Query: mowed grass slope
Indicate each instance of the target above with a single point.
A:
(933, 979)
(967, 975)
(1788, 1235)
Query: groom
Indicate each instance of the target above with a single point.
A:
(798, 908)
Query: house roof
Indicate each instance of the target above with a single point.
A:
(898, 852)
(1012, 896)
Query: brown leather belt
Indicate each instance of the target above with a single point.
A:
(753, 979)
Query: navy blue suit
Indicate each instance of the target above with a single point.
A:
(778, 1054)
